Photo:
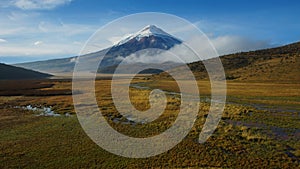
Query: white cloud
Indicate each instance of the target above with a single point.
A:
(66, 39)
(21, 15)
(6, 3)
(116, 39)
(66, 29)
(204, 46)
(43, 50)
(21, 28)
(198, 48)
(77, 43)
(234, 44)
(3, 40)
(38, 43)
(179, 54)
(74, 60)
(39, 4)
(18, 23)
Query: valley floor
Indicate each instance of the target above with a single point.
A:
(260, 127)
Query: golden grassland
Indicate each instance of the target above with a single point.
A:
(282, 95)
(279, 65)
(246, 136)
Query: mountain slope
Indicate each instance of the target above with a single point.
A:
(280, 63)
(51, 66)
(147, 38)
(8, 72)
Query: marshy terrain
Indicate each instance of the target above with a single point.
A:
(260, 126)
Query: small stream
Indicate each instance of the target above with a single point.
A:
(42, 111)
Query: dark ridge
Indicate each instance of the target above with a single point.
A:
(12, 73)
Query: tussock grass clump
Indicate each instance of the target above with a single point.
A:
(252, 134)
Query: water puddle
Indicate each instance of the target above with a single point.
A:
(124, 120)
(42, 111)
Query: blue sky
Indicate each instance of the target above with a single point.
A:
(44, 29)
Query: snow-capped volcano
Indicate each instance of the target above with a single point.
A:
(149, 30)
(131, 49)
(148, 37)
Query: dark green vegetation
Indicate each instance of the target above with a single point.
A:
(8, 72)
(32, 88)
(245, 138)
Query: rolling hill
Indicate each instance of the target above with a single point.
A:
(274, 64)
(8, 72)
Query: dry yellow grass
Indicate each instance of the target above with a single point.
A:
(28, 141)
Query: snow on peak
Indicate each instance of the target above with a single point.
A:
(147, 31)
(152, 30)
